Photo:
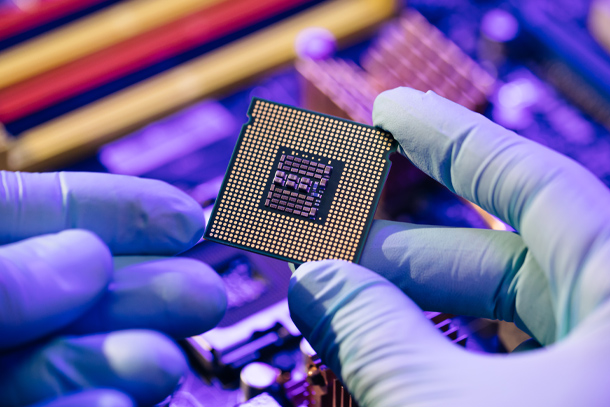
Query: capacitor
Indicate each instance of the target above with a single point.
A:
(498, 28)
(257, 378)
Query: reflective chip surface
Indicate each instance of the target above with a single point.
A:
(301, 186)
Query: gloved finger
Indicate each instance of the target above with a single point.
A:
(367, 331)
(47, 282)
(387, 354)
(475, 272)
(178, 296)
(561, 210)
(146, 365)
(132, 215)
(90, 398)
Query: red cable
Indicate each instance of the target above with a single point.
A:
(129, 56)
(15, 20)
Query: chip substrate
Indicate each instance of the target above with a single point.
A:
(301, 186)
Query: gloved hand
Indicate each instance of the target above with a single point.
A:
(552, 278)
(74, 324)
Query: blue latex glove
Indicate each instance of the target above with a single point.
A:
(551, 279)
(73, 323)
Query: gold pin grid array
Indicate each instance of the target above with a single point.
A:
(240, 220)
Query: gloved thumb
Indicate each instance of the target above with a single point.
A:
(364, 328)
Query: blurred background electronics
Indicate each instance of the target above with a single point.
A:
(160, 89)
(256, 348)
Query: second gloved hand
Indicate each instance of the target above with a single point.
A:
(78, 323)
(551, 278)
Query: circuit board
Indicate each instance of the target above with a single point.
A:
(301, 186)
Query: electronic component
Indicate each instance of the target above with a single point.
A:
(257, 324)
(257, 378)
(257, 329)
(224, 351)
(325, 390)
(412, 52)
(567, 56)
(340, 88)
(145, 151)
(253, 283)
(270, 337)
(408, 52)
(301, 186)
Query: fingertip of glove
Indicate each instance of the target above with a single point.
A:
(193, 219)
(401, 93)
(180, 218)
(133, 215)
(179, 296)
(409, 113)
(147, 362)
(87, 248)
(389, 103)
(204, 299)
(218, 301)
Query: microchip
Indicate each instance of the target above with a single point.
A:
(301, 186)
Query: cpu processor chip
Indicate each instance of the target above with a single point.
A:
(301, 186)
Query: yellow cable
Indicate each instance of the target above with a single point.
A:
(91, 34)
(84, 130)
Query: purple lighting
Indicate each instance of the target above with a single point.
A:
(169, 139)
(500, 26)
(315, 43)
